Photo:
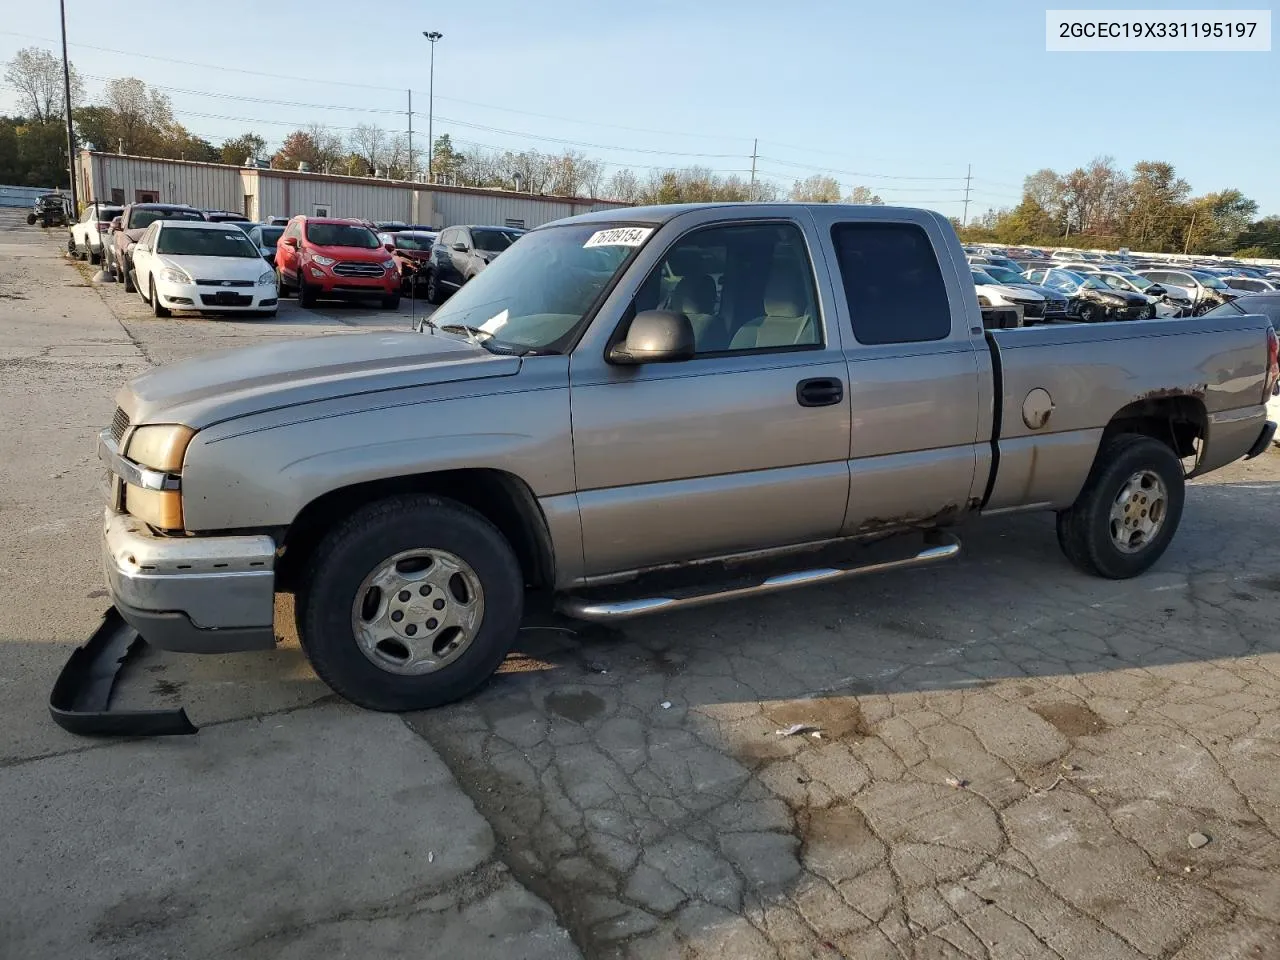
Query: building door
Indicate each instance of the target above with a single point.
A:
(146, 196)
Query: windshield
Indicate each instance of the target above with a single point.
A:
(1093, 283)
(1210, 281)
(342, 235)
(1004, 274)
(1114, 282)
(1268, 306)
(981, 276)
(271, 236)
(146, 217)
(407, 241)
(194, 242)
(535, 296)
(107, 214)
(494, 241)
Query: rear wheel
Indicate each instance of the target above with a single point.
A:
(95, 258)
(129, 285)
(1128, 511)
(411, 603)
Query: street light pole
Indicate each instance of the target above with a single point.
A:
(434, 36)
(66, 93)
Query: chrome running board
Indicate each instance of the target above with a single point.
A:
(584, 608)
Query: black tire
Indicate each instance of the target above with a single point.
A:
(1087, 313)
(94, 258)
(72, 250)
(1149, 312)
(306, 293)
(156, 309)
(355, 548)
(31, 219)
(434, 292)
(282, 286)
(1201, 308)
(1084, 528)
(391, 302)
(129, 286)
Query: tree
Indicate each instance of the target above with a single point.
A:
(95, 126)
(247, 146)
(623, 186)
(1045, 189)
(298, 147)
(1263, 235)
(818, 188)
(1028, 222)
(368, 142)
(328, 145)
(142, 118)
(446, 162)
(863, 195)
(573, 173)
(36, 76)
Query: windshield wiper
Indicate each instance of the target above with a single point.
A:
(471, 333)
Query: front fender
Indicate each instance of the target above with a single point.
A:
(253, 473)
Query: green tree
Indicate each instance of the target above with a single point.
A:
(861, 194)
(1263, 235)
(36, 78)
(446, 162)
(244, 147)
(1028, 222)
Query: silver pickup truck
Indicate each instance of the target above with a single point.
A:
(639, 410)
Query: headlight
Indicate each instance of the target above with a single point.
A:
(176, 275)
(161, 446)
(268, 279)
(388, 264)
(324, 261)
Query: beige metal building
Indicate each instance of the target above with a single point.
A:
(259, 193)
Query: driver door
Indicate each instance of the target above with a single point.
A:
(743, 447)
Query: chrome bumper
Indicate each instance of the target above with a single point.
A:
(197, 594)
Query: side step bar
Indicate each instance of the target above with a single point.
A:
(583, 608)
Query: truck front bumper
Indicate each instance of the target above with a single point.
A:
(191, 594)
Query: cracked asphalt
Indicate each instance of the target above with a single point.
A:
(996, 758)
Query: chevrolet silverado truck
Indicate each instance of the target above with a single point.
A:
(640, 410)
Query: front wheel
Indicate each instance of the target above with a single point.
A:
(156, 308)
(435, 294)
(1088, 313)
(306, 292)
(410, 603)
(391, 302)
(1128, 511)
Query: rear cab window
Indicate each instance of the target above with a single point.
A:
(892, 283)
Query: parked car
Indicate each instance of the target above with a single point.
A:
(88, 233)
(411, 249)
(1090, 300)
(1250, 284)
(569, 424)
(1268, 305)
(993, 294)
(50, 210)
(132, 223)
(1166, 304)
(265, 237)
(225, 216)
(389, 226)
(991, 260)
(203, 267)
(1055, 302)
(1204, 289)
(276, 221)
(462, 253)
(326, 257)
(1109, 266)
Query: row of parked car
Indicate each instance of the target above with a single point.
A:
(178, 257)
(1089, 287)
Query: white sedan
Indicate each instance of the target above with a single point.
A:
(991, 293)
(205, 267)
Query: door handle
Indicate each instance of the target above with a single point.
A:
(819, 392)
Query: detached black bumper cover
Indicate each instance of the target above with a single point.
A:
(1263, 441)
(81, 695)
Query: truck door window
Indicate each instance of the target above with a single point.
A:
(743, 287)
(892, 283)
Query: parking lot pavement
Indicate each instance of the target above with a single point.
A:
(996, 758)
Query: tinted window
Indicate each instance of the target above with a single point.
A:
(1268, 306)
(891, 282)
(743, 287)
(494, 241)
(342, 235)
(146, 216)
(229, 242)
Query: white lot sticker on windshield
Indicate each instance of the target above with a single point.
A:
(230, 236)
(619, 237)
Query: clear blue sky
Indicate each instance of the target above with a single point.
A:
(867, 92)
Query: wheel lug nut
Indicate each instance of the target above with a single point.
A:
(438, 604)
(397, 616)
(404, 596)
(432, 623)
(411, 629)
(424, 590)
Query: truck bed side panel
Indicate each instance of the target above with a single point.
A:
(1093, 371)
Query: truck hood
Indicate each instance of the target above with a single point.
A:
(235, 383)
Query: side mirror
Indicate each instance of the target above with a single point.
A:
(655, 336)
(289, 242)
(460, 247)
(116, 225)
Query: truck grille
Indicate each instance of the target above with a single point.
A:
(224, 283)
(119, 424)
(349, 269)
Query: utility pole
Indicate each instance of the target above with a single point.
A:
(434, 36)
(411, 135)
(755, 150)
(964, 220)
(66, 93)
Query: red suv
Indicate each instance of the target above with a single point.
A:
(328, 257)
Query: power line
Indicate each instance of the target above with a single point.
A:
(854, 173)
